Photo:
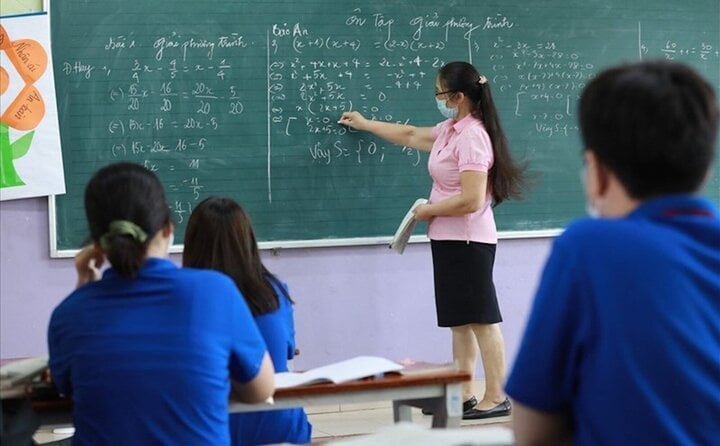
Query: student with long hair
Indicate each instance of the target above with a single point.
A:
(472, 171)
(144, 357)
(220, 236)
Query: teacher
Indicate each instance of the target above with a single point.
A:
(472, 171)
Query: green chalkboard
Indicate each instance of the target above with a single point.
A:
(241, 99)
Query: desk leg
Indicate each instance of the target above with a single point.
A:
(451, 415)
(401, 412)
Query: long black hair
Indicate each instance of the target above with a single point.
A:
(125, 192)
(220, 236)
(506, 178)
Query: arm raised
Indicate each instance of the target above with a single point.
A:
(420, 138)
(87, 264)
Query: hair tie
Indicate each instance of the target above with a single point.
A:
(482, 80)
(122, 227)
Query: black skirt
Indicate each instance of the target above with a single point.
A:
(464, 289)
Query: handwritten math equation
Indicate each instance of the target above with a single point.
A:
(180, 102)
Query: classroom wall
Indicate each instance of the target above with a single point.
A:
(349, 300)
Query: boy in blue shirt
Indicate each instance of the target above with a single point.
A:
(623, 342)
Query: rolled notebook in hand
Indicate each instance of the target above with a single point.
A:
(406, 228)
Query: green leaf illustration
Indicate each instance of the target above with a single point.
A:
(8, 153)
(21, 146)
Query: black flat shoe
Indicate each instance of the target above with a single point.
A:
(467, 405)
(501, 410)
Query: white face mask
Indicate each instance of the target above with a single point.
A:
(444, 110)
(590, 208)
(171, 241)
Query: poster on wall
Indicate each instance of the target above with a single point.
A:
(30, 153)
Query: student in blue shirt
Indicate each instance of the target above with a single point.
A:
(623, 342)
(220, 236)
(143, 356)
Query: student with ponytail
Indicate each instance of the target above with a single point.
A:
(472, 171)
(143, 355)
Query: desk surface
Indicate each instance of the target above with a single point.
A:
(438, 391)
(389, 380)
(421, 390)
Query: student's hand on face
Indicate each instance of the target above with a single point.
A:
(87, 264)
(422, 213)
(353, 120)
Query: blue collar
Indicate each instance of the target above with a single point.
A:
(152, 264)
(671, 206)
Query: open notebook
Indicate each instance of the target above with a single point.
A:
(406, 228)
(348, 370)
(357, 368)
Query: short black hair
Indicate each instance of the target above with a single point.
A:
(654, 124)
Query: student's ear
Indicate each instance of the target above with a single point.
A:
(458, 97)
(603, 175)
(597, 175)
(168, 229)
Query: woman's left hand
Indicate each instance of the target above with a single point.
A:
(422, 213)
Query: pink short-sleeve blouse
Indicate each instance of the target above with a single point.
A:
(460, 146)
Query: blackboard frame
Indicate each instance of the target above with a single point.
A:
(294, 244)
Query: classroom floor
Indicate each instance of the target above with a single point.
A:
(331, 423)
(348, 423)
(355, 421)
(349, 420)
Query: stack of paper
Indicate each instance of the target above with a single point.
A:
(18, 371)
(406, 228)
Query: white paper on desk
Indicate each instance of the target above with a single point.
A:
(414, 368)
(21, 370)
(406, 228)
(343, 371)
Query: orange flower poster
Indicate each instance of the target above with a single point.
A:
(30, 153)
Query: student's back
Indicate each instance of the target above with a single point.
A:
(277, 328)
(631, 307)
(144, 355)
(220, 236)
(146, 359)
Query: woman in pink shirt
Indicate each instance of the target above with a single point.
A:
(472, 171)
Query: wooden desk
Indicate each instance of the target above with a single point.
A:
(438, 391)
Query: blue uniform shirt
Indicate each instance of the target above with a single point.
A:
(148, 361)
(624, 334)
(276, 426)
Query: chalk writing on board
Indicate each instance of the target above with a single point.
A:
(686, 50)
(249, 106)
